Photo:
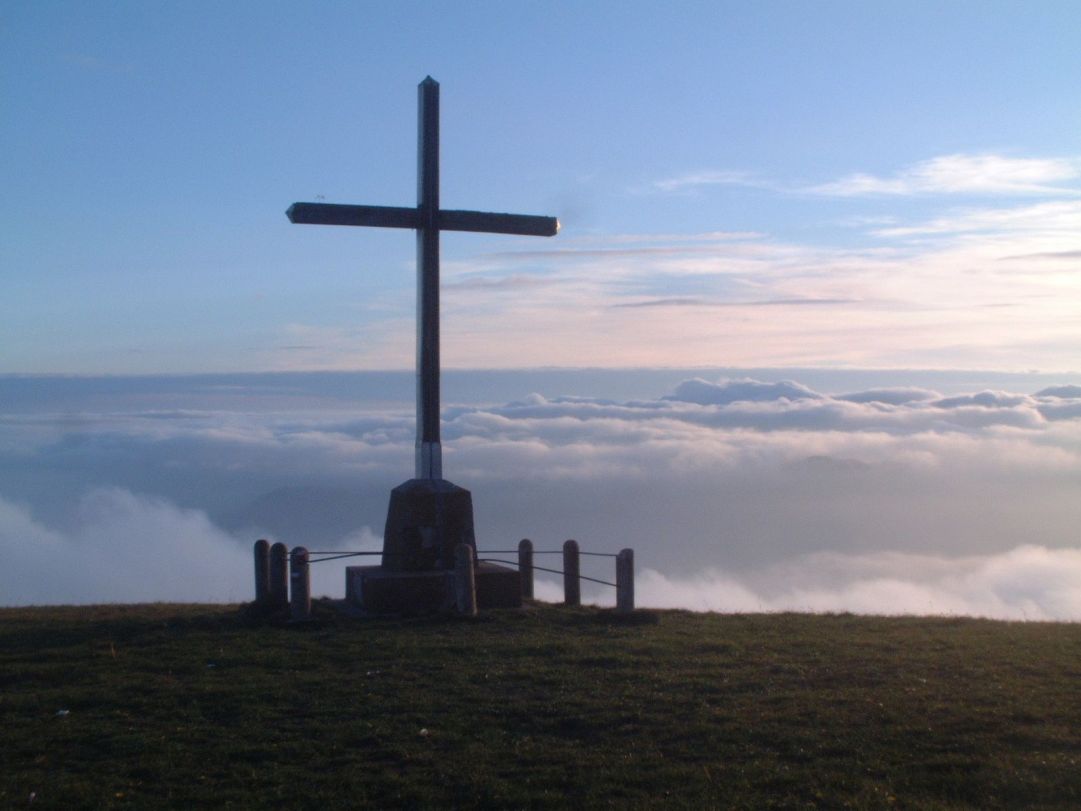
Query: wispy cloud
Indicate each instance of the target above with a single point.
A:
(978, 174)
(708, 236)
(703, 302)
(1063, 255)
(509, 283)
(695, 180)
(1044, 219)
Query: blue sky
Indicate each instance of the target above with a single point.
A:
(740, 184)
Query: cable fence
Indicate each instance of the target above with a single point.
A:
(282, 578)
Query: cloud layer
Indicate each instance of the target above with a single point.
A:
(121, 548)
(1024, 583)
(736, 494)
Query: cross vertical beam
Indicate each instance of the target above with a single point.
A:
(429, 451)
(428, 220)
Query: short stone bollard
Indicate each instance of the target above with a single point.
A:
(572, 586)
(525, 567)
(262, 573)
(300, 585)
(278, 592)
(625, 581)
(465, 582)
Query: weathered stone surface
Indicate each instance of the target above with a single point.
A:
(498, 586)
(278, 594)
(262, 573)
(525, 567)
(465, 581)
(625, 581)
(300, 585)
(379, 591)
(426, 521)
(572, 585)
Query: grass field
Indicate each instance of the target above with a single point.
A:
(170, 706)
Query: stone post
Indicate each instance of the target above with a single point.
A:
(525, 567)
(262, 573)
(625, 581)
(278, 593)
(465, 584)
(572, 586)
(300, 585)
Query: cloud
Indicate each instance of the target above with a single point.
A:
(122, 548)
(1065, 392)
(701, 302)
(790, 406)
(724, 392)
(737, 476)
(508, 283)
(1062, 255)
(685, 301)
(967, 288)
(990, 286)
(1048, 222)
(984, 173)
(1024, 583)
(986, 399)
(695, 180)
(891, 396)
(631, 239)
(978, 174)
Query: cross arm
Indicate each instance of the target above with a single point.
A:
(492, 223)
(401, 217)
(335, 214)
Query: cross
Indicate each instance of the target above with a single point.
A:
(427, 219)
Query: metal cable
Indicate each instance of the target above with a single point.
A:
(553, 571)
(544, 552)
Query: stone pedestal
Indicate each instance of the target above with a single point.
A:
(426, 521)
(376, 590)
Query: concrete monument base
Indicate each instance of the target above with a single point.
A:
(381, 591)
(426, 520)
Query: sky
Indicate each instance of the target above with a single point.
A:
(807, 338)
(889, 185)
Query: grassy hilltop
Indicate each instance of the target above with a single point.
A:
(198, 706)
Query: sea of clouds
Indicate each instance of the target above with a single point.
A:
(737, 494)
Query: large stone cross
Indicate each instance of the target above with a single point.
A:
(428, 220)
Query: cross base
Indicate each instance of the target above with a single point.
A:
(426, 521)
(376, 590)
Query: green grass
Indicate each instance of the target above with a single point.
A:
(203, 707)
